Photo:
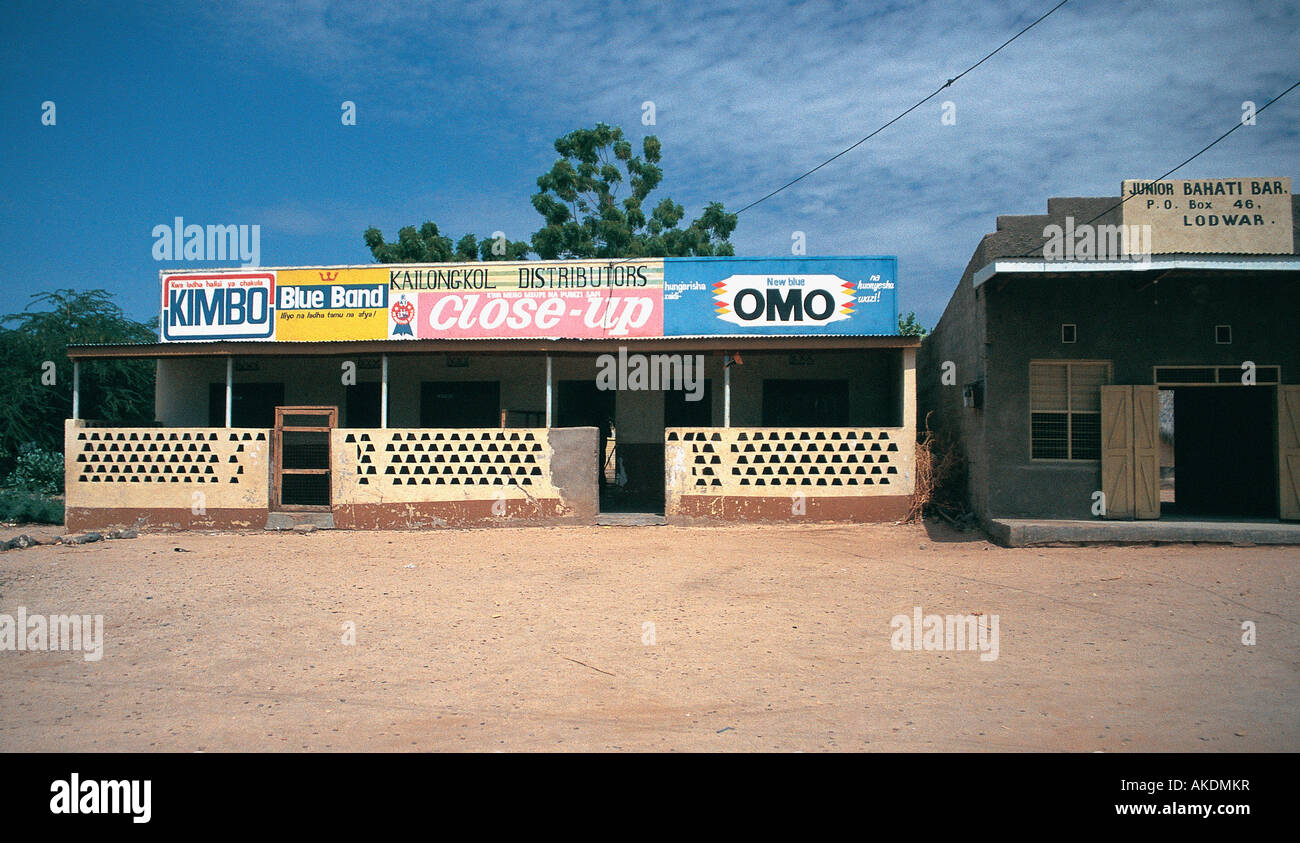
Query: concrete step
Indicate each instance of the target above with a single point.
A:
(630, 519)
(294, 520)
(1027, 532)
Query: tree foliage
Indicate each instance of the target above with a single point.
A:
(33, 349)
(909, 327)
(593, 205)
(428, 245)
(585, 218)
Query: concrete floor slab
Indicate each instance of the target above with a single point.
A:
(1026, 532)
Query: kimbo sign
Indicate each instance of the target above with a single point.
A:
(235, 306)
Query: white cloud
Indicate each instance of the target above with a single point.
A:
(749, 96)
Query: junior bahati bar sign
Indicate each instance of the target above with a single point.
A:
(1236, 216)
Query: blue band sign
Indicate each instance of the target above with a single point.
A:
(577, 299)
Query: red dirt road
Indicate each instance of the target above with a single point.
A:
(764, 638)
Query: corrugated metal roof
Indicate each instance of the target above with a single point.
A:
(523, 345)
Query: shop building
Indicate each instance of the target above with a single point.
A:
(1134, 361)
(507, 393)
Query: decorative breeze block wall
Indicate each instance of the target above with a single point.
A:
(163, 467)
(440, 464)
(766, 461)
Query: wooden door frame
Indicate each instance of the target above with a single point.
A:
(277, 450)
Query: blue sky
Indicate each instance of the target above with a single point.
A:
(229, 113)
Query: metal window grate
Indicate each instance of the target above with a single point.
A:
(1049, 433)
(1085, 436)
(305, 490)
(1065, 409)
(305, 450)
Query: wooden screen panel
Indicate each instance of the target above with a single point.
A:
(1288, 452)
(302, 483)
(1117, 450)
(1146, 452)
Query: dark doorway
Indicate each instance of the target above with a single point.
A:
(460, 404)
(680, 411)
(362, 406)
(805, 403)
(583, 404)
(1224, 451)
(253, 405)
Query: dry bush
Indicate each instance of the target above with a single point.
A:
(940, 478)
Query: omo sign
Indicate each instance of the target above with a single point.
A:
(780, 296)
(218, 306)
(790, 300)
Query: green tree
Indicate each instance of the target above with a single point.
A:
(582, 212)
(909, 327)
(584, 217)
(33, 351)
(428, 245)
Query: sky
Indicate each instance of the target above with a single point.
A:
(231, 113)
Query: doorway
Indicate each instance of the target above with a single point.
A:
(584, 404)
(805, 403)
(1224, 459)
(252, 404)
(301, 448)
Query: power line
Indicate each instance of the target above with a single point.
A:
(1184, 163)
(914, 107)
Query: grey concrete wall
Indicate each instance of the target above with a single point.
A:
(574, 459)
(1133, 327)
(959, 338)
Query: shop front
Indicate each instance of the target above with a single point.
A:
(541, 392)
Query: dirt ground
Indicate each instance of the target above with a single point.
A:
(762, 638)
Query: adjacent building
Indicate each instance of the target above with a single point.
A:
(1128, 357)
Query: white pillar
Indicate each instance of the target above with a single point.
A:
(230, 387)
(76, 389)
(383, 391)
(726, 390)
(548, 391)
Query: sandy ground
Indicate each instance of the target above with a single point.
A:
(764, 638)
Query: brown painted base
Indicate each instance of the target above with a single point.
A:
(875, 509)
(406, 516)
(78, 519)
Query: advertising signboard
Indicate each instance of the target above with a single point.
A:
(527, 299)
(1243, 216)
(579, 299)
(331, 304)
(200, 306)
(809, 295)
